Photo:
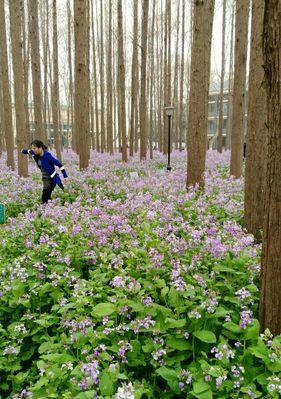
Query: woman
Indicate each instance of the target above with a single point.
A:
(46, 163)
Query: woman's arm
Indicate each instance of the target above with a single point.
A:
(59, 164)
(24, 151)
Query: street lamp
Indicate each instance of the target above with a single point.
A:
(169, 112)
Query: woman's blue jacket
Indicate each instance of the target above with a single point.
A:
(48, 163)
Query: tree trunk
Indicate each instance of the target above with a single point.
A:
(55, 91)
(134, 79)
(6, 94)
(121, 80)
(237, 131)
(36, 69)
(1, 121)
(81, 107)
(199, 90)
(176, 84)
(270, 299)
(230, 83)
(256, 131)
(73, 142)
(26, 51)
(182, 76)
(152, 84)
(167, 72)
(95, 79)
(143, 99)
(220, 127)
(102, 116)
(18, 70)
(109, 85)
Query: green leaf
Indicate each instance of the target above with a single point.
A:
(170, 376)
(252, 331)
(200, 386)
(106, 384)
(205, 336)
(232, 327)
(45, 347)
(85, 395)
(164, 291)
(103, 309)
(172, 323)
(178, 343)
(205, 395)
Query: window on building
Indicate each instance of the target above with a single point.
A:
(212, 126)
(212, 108)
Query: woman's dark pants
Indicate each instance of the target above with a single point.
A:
(48, 187)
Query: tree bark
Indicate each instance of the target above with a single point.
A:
(36, 69)
(109, 119)
(152, 84)
(6, 94)
(237, 131)
(199, 90)
(121, 82)
(181, 77)
(220, 127)
(102, 116)
(18, 71)
(270, 296)
(81, 107)
(133, 126)
(143, 99)
(256, 131)
(55, 90)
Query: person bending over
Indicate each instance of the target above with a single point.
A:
(46, 162)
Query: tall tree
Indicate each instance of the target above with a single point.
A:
(176, 83)
(237, 130)
(230, 81)
(121, 83)
(44, 12)
(109, 118)
(55, 87)
(270, 300)
(256, 131)
(81, 105)
(18, 71)
(133, 126)
(221, 98)
(69, 45)
(6, 94)
(26, 51)
(95, 79)
(199, 90)
(143, 109)
(152, 82)
(102, 115)
(36, 69)
(182, 76)
(167, 71)
(1, 121)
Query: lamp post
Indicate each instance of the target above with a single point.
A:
(169, 112)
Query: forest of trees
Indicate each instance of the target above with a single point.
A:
(115, 82)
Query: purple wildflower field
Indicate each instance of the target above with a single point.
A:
(131, 287)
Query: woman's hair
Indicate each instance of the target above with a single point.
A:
(39, 144)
